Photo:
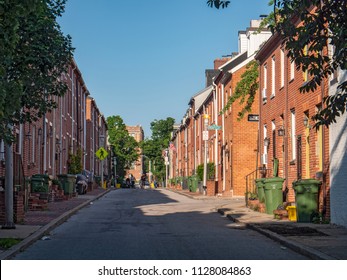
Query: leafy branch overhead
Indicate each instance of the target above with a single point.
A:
(34, 53)
(218, 4)
(323, 34)
(246, 89)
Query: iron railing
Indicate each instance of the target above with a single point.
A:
(250, 181)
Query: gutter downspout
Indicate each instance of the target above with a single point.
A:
(54, 142)
(61, 136)
(223, 141)
(324, 210)
(286, 128)
(72, 107)
(44, 143)
(215, 89)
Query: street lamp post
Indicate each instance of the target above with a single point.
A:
(115, 168)
(166, 167)
(205, 138)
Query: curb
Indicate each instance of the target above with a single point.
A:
(25, 243)
(299, 248)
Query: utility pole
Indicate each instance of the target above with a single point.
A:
(9, 224)
(166, 166)
(101, 138)
(205, 138)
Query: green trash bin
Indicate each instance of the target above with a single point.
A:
(260, 189)
(306, 197)
(98, 180)
(189, 183)
(194, 183)
(40, 183)
(68, 183)
(273, 193)
(37, 185)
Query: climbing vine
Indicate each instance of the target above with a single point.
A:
(245, 90)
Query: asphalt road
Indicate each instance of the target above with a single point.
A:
(154, 225)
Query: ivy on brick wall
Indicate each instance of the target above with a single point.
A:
(246, 90)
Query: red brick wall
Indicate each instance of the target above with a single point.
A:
(286, 99)
(241, 138)
(18, 207)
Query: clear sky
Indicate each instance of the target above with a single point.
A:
(145, 59)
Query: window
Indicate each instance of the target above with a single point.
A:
(2, 150)
(273, 75)
(307, 146)
(292, 69)
(305, 73)
(292, 134)
(33, 147)
(265, 76)
(319, 146)
(273, 127)
(265, 136)
(334, 74)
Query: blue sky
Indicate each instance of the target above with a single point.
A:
(144, 59)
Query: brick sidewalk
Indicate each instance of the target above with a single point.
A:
(55, 209)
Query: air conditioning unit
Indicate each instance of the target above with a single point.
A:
(264, 159)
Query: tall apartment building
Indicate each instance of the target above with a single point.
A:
(137, 167)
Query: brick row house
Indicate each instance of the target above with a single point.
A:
(279, 128)
(232, 143)
(285, 121)
(43, 147)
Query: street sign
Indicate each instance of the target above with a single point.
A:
(253, 118)
(101, 153)
(205, 135)
(214, 127)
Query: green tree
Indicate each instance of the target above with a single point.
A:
(159, 141)
(75, 162)
(33, 55)
(326, 25)
(124, 146)
(246, 89)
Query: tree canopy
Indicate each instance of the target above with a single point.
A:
(123, 146)
(324, 22)
(34, 53)
(153, 148)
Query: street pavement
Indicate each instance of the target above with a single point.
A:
(316, 241)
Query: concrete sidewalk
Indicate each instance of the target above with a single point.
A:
(316, 241)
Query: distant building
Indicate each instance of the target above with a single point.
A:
(137, 167)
